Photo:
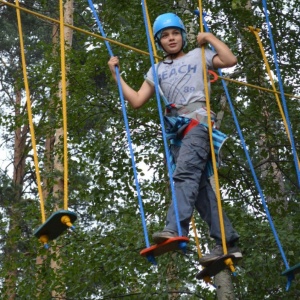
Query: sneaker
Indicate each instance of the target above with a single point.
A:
(160, 237)
(217, 252)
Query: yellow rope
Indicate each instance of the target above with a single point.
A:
(32, 133)
(256, 87)
(151, 33)
(196, 238)
(255, 31)
(64, 101)
(213, 155)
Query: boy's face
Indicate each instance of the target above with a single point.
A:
(171, 40)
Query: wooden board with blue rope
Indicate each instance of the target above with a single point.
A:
(214, 267)
(56, 224)
(172, 244)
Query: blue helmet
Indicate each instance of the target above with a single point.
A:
(165, 21)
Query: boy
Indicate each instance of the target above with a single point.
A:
(181, 81)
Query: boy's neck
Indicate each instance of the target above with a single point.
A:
(175, 55)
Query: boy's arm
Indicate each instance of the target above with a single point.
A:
(135, 98)
(224, 58)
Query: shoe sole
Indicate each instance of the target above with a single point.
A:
(237, 257)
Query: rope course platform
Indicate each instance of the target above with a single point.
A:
(172, 244)
(216, 267)
(290, 274)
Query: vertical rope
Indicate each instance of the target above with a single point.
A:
(150, 32)
(32, 133)
(213, 155)
(64, 101)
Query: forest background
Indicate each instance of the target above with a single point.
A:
(101, 259)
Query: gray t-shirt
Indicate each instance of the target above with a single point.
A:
(182, 80)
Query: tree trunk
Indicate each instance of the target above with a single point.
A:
(222, 280)
(224, 286)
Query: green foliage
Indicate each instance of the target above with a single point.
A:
(101, 259)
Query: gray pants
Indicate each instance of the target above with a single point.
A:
(193, 188)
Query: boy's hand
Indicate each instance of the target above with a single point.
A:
(203, 38)
(112, 63)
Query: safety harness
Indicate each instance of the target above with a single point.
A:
(177, 126)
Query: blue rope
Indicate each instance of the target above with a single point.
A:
(156, 84)
(251, 165)
(127, 127)
(282, 91)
